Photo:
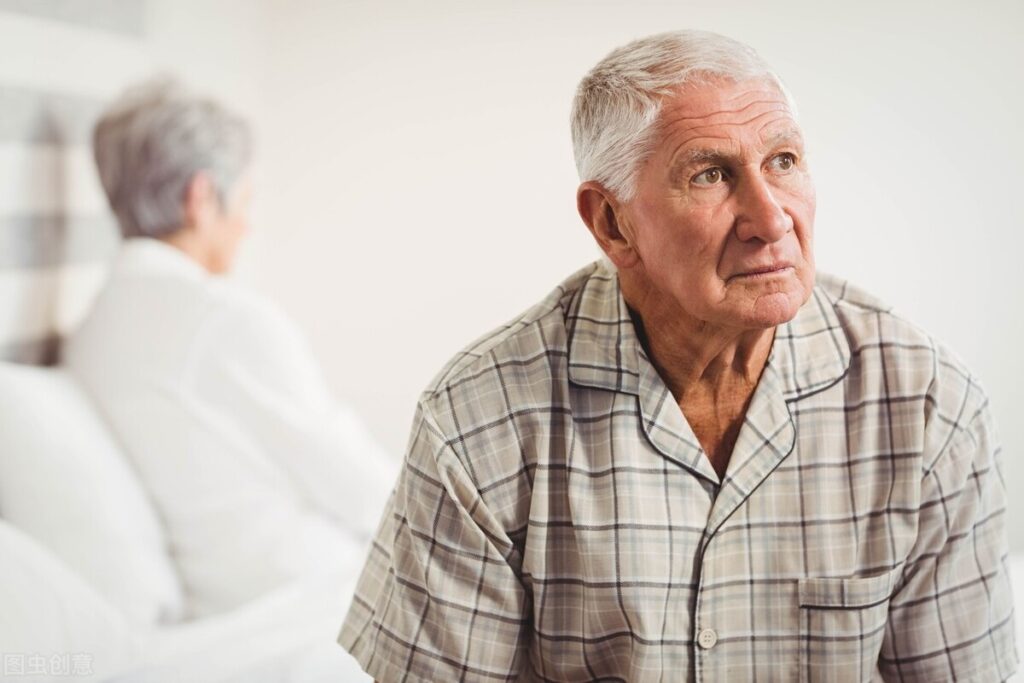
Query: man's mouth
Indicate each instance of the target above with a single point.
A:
(765, 271)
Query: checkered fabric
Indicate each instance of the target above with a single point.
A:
(557, 520)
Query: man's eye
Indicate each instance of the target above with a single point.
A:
(784, 161)
(710, 176)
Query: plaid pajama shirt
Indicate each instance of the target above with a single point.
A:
(557, 520)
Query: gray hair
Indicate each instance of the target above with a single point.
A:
(617, 103)
(151, 143)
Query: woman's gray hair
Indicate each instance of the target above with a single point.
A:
(151, 143)
(617, 103)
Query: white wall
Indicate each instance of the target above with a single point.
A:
(417, 186)
(216, 46)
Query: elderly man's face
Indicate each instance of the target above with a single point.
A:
(722, 220)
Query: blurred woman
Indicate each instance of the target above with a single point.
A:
(260, 476)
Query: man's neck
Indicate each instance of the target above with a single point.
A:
(712, 371)
(695, 357)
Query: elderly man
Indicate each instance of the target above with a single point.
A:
(694, 462)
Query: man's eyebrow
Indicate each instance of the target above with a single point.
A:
(703, 155)
(697, 156)
(789, 135)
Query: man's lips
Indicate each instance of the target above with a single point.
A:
(773, 269)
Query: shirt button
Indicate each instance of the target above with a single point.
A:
(707, 638)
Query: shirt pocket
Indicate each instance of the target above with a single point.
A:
(842, 623)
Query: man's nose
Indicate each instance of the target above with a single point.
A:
(759, 215)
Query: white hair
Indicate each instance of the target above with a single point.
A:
(617, 103)
(152, 142)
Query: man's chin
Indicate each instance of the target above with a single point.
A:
(773, 309)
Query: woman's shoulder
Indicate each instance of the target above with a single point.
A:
(240, 321)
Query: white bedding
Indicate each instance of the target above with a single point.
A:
(287, 636)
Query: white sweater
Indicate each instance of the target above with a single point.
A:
(259, 475)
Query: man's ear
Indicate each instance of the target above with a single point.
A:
(201, 203)
(601, 212)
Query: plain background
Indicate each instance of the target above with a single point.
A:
(416, 186)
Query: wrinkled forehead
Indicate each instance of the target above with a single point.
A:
(721, 109)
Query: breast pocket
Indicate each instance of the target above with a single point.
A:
(842, 623)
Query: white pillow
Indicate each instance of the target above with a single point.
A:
(65, 482)
(50, 612)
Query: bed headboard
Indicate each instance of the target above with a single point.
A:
(60, 62)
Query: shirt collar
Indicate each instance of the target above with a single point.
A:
(809, 353)
(148, 256)
(604, 349)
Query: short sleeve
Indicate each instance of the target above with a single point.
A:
(439, 598)
(952, 616)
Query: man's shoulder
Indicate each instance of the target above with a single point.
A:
(507, 384)
(845, 293)
(889, 348)
(530, 340)
(872, 323)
